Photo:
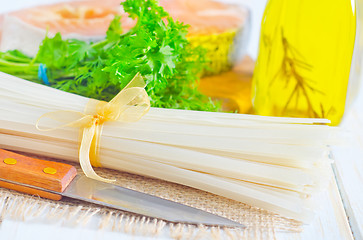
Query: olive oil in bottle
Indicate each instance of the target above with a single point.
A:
(305, 57)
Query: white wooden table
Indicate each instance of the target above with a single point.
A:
(340, 216)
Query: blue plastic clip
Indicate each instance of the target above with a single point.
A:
(42, 74)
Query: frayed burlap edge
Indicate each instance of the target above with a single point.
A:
(26, 208)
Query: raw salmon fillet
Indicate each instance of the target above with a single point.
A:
(85, 20)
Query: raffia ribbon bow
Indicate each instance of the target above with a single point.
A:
(129, 105)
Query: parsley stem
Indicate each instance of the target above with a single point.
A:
(16, 64)
(11, 57)
(99, 44)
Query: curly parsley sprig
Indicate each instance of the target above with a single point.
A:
(156, 47)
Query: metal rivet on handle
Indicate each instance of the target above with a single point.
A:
(10, 161)
(50, 170)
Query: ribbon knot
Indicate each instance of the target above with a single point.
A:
(129, 105)
(98, 119)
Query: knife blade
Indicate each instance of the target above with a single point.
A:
(55, 180)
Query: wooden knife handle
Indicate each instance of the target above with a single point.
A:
(48, 175)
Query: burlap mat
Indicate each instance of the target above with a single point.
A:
(260, 224)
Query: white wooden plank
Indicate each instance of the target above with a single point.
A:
(330, 222)
(349, 171)
(349, 164)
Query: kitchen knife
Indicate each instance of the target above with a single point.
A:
(55, 180)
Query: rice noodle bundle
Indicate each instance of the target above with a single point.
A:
(277, 164)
